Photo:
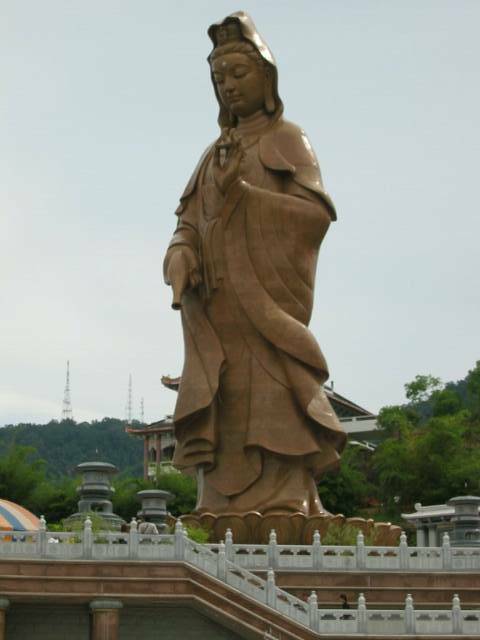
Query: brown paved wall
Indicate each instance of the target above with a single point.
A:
(384, 589)
(175, 584)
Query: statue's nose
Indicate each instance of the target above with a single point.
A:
(229, 85)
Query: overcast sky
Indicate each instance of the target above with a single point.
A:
(106, 106)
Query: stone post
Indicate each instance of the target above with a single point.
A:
(271, 589)
(409, 615)
(87, 541)
(360, 551)
(272, 552)
(229, 551)
(446, 552)
(4, 604)
(432, 535)
(313, 611)
(133, 540)
(106, 616)
(221, 562)
(457, 618)
(317, 554)
(361, 614)
(179, 541)
(42, 538)
(403, 551)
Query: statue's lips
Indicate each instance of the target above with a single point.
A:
(234, 99)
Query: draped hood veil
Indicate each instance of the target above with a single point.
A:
(250, 34)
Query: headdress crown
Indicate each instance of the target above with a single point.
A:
(228, 32)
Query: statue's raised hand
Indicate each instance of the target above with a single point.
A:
(227, 160)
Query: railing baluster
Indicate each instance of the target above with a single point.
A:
(133, 540)
(179, 541)
(457, 618)
(317, 554)
(403, 551)
(42, 538)
(409, 615)
(360, 551)
(446, 552)
(362, 622)
(272, 550)
(87, 541)
(271, 589)
(313, 611)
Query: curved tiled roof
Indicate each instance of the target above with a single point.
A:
(17, 518)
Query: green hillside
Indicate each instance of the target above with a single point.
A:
(65, 444)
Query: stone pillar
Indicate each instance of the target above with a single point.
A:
(420, 536)
(158, 448)
(4, 604)
(432, 535)
(145, 458)
(106, 616)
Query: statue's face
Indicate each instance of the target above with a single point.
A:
(240, 83)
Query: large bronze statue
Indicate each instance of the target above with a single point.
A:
(252, 417)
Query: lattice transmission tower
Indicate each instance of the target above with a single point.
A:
(67, 413)
(128, 406)
(142, 411)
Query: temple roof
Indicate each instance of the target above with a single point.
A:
(343, 407)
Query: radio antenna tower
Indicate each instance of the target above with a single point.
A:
(128, 408)
(67, 413)
(142, 411)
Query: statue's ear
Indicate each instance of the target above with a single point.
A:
(269, 97)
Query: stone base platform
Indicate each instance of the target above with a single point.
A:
(296, 528)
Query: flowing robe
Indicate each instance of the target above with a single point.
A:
(252, 416)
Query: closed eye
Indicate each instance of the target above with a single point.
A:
(240, 71)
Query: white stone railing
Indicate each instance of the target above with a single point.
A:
(85, 544)
(395, 622)
(319, 557)
(214, 560)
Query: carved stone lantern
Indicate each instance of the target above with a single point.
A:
(154, 506)
(95, 493)
(466, 521)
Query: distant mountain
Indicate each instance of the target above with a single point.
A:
(65, 444)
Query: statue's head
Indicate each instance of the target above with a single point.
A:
(243, 70)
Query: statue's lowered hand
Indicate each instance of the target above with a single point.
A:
(182, 272)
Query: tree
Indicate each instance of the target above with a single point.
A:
(20, 473)
(183, 489)
(421, 388)
(55, 500)
(395, 421)
(347, 488)
(473, 390)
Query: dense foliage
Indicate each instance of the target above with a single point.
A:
(65, 444)
(429, 452)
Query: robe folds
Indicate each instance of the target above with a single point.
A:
(252, 416)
